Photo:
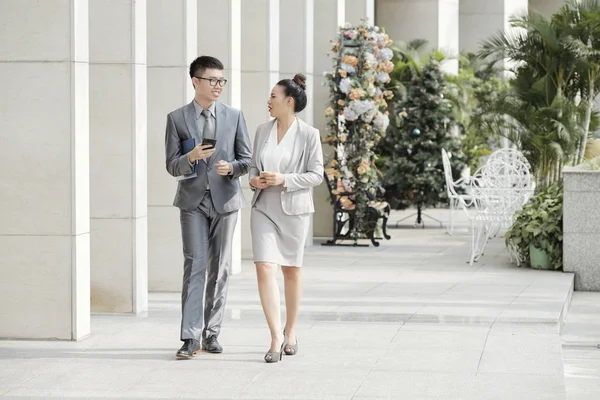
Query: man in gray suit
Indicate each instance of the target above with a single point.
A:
(209, 197)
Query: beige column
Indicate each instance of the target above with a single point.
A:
(172, 46)
(220, 36)
(44, 172)
(118, 134)
(296, 53)
(328, 16)
(433, 20)
(358, 10)
(546, 7)
(480, 19)
(260, 40)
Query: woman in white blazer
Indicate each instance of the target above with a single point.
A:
(287, 162)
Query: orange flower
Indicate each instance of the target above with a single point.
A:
(356, 94)
(350, 60)
(341, 102)
(387, 66)
(329, 111)
(342, 72)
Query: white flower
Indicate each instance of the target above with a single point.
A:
(350, 114)
(348, 68)
(362, 106)
(368, 116)
(370, 58)
(382, 77)
(345, 85)
(381, 121)
(372, 90)
(386, 54)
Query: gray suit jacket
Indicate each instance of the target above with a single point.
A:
(233, 145)
(304, 171)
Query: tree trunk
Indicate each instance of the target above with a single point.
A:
(588, 117)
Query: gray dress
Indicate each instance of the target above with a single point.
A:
(277, 237)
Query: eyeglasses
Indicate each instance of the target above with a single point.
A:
(213, 81)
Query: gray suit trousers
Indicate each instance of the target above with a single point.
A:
(207, 245)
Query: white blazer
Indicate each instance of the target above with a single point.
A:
(303, 172)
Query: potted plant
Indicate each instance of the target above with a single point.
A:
(537, 230)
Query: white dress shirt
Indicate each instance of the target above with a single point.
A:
(275, 157)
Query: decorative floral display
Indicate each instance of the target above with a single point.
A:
(357, 115)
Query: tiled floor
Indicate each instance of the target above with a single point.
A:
(408, 320)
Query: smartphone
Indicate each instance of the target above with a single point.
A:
(211, 142)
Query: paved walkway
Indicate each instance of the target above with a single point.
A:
(409, 320)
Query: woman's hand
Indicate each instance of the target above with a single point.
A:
(258, 182)
(273, 178)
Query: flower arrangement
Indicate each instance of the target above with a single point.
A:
(357, 116)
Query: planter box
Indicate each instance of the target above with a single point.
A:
(581, 227)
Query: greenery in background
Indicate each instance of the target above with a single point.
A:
(548, 111)
(421, 127)
(592, 164)
(473, 91)
(539, 223)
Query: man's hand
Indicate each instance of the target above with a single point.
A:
(273, 178)
(224, 168)
(258, 182)
(200, 152)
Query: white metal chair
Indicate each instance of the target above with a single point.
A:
(454, 199)
(498, 189)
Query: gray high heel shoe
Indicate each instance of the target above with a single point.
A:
(275, 356)
(291, 349)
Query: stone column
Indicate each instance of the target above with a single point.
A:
(260, 41)
(118, 156)
(220, 36)
(546, 7)
(44, 173)
(480, 19)
(296, 54)
(172, 46)
(328, 16)
(433, 20)
(358, 10)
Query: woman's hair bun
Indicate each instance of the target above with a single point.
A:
(300, 79)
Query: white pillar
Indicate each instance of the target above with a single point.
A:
(220, 37)
(44, 173)
(359, 10)
(546, 7)
(296, 53)
(433, 20)
(329, 15)
(119, 223)
(480, 19)
(172, 46)
(259, 72)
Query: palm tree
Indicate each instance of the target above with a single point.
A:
(579, 23)
(541, 114)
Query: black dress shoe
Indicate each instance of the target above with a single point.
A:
(211, 344)
(189, 348)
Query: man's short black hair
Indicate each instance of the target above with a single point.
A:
(202, 63)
